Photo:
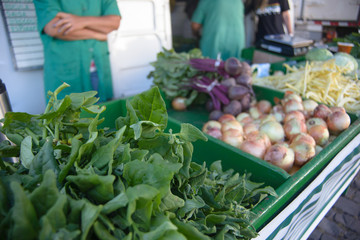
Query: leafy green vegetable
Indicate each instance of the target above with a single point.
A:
(318, 54)
(75, 180)
(172, 73)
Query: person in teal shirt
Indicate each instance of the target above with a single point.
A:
(74, 37)
(220, 26)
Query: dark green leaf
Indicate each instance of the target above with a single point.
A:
(44, 160)
(23, 215)
(191, 133)
(150, 106)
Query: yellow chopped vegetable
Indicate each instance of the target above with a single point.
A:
(323, 82)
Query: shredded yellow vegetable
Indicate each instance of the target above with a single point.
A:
(323, 82)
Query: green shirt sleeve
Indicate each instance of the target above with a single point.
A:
(199, 13)
(110, 7)
(46, 10)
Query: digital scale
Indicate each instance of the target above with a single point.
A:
(286, 45)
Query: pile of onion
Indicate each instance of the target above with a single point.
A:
(288, 134)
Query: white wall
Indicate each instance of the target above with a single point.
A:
(25, 89)
(144, 30)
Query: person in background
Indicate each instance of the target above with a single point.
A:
(74, 36)
(272, 15)
(220, 26)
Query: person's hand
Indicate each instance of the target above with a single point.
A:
(68, 23)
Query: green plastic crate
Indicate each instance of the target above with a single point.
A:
(286, 186)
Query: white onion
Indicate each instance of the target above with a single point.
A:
(309, 107)
(280, 155)
(338, 121)
(231, 124)
(303, 152)
(322, 111)
(254, 148)
(226, 117)
(274, 130)
(320, 134)
(264, 106)
(234, 137)
(294, 114)
(211, 124)
(293, 105)
(278, 112)
(254, 112)
(293, 127)
(315, 121)
(244, 118)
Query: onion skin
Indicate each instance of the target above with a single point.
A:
(293, 105)
(210, 125)
(293, 127)
(274, 130)
(304, 137)
(309, 107)
(314, 122)
(234, 137)
(233, 124)
(322, 111)
(250, 127)
(259, 137)
(303, 152)
(304, 148)
(179, 103)
(216, 133)
(294, 114)
(254, 112)
(320, 134)
(291, 96)
(264, 106)
(213, 128)
(341, 109)
(278, 112)
(244, 118)
(338, 121)
(226, 117)
(267, 117)
(280, 155)
(254, 148)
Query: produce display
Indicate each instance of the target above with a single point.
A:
(325, 78)
(288, 134)
(75, 180)
(188, 78)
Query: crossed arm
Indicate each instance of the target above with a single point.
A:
(67, 26)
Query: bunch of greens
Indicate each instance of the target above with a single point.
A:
(75, 180)
(176, 74)
(172, 73)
